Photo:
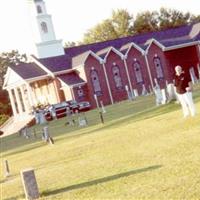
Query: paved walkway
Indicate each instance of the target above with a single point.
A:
(13, 125)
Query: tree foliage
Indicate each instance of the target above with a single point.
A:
(146, 22)
(119, 25)
(122, 24)
(9, 58)
(69, 44)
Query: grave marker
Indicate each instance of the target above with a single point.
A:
(30, 184)
(7, 170)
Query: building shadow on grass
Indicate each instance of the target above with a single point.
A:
(100, 180)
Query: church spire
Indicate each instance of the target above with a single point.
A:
(48, 46)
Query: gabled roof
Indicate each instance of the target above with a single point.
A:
(126, 48)
(80, 59)
(103, 53)
(139, 39)
(71, 79)
(74, 56)
(57, 63)
(28, 70)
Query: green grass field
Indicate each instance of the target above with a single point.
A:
(141, 152)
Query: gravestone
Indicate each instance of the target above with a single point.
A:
(102, 107)
(171, 91)
(135, 92)
(46, 133)
(158, 95)
(26, 132)
(164, 96)
(46, 136)
(97, 102)
(150, 89)
(7, 170)
(192, 75)
(82, 120)
(129, 94)
(144, 90)
(30, 184)
(101, 117)
(70, 120)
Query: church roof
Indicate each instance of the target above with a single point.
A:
(28, 70)
(71, 79)
(57, 63)
(139, 39)
(74, 56)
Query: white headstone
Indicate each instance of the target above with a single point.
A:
(96, 99)
(192, 75)
(82, 122)
(158, 94)
(164, 96)
(144, 90)
(135, 92)
(171, 91)
(102, 107)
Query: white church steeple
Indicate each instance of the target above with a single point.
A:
(48, 46)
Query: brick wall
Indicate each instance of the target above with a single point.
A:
(136, 56)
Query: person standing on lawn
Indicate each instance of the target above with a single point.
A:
(184, 91)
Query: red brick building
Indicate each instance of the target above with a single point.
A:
(110, 70)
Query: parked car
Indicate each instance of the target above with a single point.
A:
(84, 106)
(56, 111)
(73, 105)
(60, 109)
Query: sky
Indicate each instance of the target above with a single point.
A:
(71, 18)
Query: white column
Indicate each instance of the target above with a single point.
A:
(72, 92)
(19, 105)
(107, 82)
(148, 69)
(30, 96)
(12, 101)
(129, 80)
(26, 107)
(56, 91)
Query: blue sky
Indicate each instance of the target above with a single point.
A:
(71, 19)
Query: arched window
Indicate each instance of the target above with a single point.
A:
(39, 9)
(158, 66)
(95, 82)
(117, 77)
(44, 27)
(138, 72)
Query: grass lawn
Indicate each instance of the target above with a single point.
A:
(141, 152)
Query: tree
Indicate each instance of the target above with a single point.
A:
(122, 22)
(69, 44)
(146, 21)
(195, 18)
(101, 32)
(119, 25)
(169, 18)
(9, 58)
